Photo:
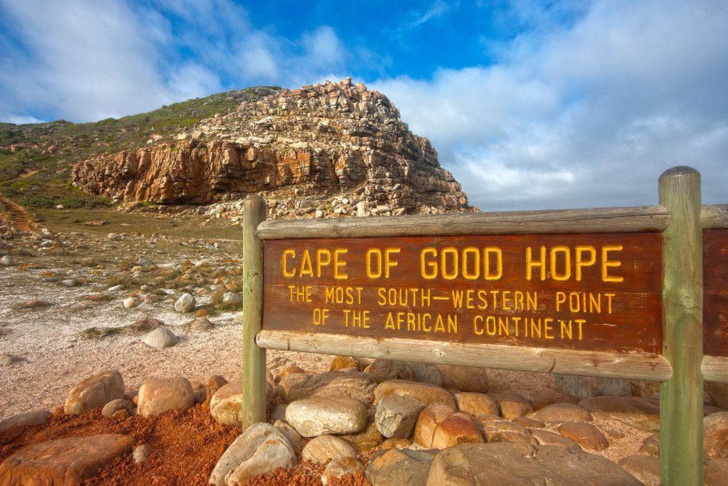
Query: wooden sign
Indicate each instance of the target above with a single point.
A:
(715, 293)
(594, 292)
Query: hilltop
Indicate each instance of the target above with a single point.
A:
(326, 150)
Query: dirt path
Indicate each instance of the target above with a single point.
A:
(17, 215)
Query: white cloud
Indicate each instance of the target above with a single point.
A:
(585, 114)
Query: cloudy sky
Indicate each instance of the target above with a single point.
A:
(531, 104)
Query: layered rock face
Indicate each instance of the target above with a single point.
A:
(333, 139)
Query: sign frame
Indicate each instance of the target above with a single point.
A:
(681, 367)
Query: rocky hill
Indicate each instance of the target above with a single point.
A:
(324, 150)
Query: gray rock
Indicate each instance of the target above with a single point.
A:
(356, 385)
(384, 370)
(69, 282)
(36, 417)
(427, 373)
(94, 392)
(6, 261)
(316, 416)
(158, 395)
(160, 338)
(590, 386)
(400, 467)
(141, 453)
(396, 415)
(325, 448)
(185, 303)
(231, 299)
(715, 427)
(129, 303)
(258, 450)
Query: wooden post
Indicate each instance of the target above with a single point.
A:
(681, 397)
(254, 399)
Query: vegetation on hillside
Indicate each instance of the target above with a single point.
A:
(35, 159)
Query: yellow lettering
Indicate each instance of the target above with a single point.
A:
(607, 263)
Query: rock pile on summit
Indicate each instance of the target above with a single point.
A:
(317, 142)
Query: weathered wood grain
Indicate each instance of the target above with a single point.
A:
(681, 397)
(641, 366)
(715, 369)
(254, 397)
(570, 221)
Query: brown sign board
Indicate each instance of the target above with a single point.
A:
(715, 293)
(590, 292)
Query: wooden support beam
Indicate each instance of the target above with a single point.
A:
(639, 366)
(254, 399)
(681, 397)
(571, 221)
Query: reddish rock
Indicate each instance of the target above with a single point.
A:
(456, 429)
(63, 461)
(584, 434)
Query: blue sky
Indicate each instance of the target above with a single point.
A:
(531, 105)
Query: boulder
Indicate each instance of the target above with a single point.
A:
(397, 415)
(563, 412)
(716, 471)
(385, 369)
(642, 413)
(427, 373)
(506, 431)
(467, 378)
(456, 429)
(342, 466)
(428, 421)
(644, 468)
(400, 467)
(584, 434)
(185, 303)
(518, 463)
(715, 427)
(71, 460)
(591, 386)
(423, 392)
(259, 450)
(158, 395)
(117, 405)
(36, 417)
(544, 437)
(477, 403)
(316, 416)
(94, 392)
(325, 448)
(226, 405)
(356, 385)
(160, 338)
(513, 405)
(367, 439)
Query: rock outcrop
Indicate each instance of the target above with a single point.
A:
(333, 139)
